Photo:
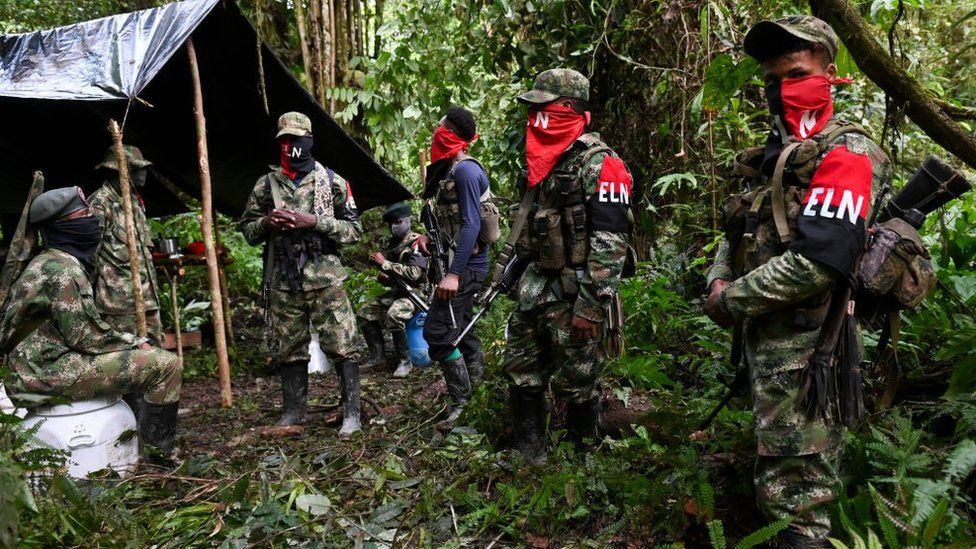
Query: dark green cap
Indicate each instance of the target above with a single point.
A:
(133, 157)
(57, 203)
(397, 211)
(555, 83)
(769, 39)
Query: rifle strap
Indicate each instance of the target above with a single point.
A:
(518, 225)
(270, 251)
(776, 194)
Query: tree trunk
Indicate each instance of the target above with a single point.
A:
(207, 227)
(329, 29)
(135, 253)
(925, 110)
(303, 38)
(320, 82)
(377, 39)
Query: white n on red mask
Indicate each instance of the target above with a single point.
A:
(804, 105)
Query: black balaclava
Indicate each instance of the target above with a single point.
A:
(296, 156)
(79, 237)
(399, 228)
(139, 177)
(778, 136)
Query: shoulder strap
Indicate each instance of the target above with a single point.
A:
(842, 129)
(518, 224)
(275, 191)
(776, 194)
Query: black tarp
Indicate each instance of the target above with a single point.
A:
(59, 87)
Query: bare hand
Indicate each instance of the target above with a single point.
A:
(384, 279)
(378, 258)
(422, 244)
(145, 346)
(449, 286)
(713, 305)
(271, 223)
(583, 329)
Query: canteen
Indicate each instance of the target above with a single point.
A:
(416, 341)
(98, 434)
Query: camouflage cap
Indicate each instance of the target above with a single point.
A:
(133, 156)
(397, 211)
(294, 123)
(56, 203)
(769, 39)
(555, 83)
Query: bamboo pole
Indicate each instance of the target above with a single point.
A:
(207, 226)
(320, 79)
(303, 38)
(130, 228)
(173, 296)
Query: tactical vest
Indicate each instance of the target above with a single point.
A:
(448, 211)
(761, 223)
(556, 229)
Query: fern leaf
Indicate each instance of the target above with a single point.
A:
(763, 535)
(716, 534)
(931, 531)
(961, 461)
(886, 509)
(837, 544)
(873, 541)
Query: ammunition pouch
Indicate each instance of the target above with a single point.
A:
(895, 273)
(292, 253)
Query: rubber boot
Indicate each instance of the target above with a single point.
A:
(791, 539)
(134, 400)
(294, 393)
(476, 367)
(402, 350)
(529, 413)
(373, 334)
(582, 422)
(458, 385)
(348, 372)
(157, 428)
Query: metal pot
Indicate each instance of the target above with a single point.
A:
(168, 246)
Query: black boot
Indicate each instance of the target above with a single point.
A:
(134, 400)
(157, 428)
(458, 385)
(529, 413)
(791, 539)
(402, 350)
(348, 372)
(476, 367)
(373, 334)
(582, 422)
(294, 393)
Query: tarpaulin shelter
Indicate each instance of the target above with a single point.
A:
(59, 88)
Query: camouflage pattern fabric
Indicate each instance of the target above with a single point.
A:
(781, 303)
(392, 309)
(539, 353)
(57, 344)
(766, 38)
(555, 83)
(538, 348)
(329, 313)
(313, 194)
(113, 275)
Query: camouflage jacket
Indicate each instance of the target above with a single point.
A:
(591, 283)
(113, 276)
(51, 313)
(334, 209)
(407, 262)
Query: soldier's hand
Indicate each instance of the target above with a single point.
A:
(299, 220)
(384, 279)
(422, 244)
(449, 286)
(713, 305)
(145, 346)
(270, 222)
(378, 258)
(583, 329)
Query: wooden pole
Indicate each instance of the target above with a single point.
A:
(207, 226)
(173, 295)
(224, 292)
(130, 227)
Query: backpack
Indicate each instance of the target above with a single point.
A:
(446, 206)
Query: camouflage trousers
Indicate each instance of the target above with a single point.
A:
(127, 323)
(154, 373)
(539, 352)
(796, 472)
(391, 311)
(327, 311)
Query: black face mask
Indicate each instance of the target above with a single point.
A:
(296, 156)
(78, 237)
(139, 178)
(778, 136)
(400, 228)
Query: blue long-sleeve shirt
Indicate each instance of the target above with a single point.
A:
(471, 182)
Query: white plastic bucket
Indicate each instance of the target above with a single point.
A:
(90, 430)
(7, 407)
(318, 363)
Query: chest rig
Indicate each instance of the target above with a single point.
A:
(557, 224)
(761, 223)
(447, 209)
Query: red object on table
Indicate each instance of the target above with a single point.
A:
(196, 248)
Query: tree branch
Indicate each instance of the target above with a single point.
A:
(933, 116)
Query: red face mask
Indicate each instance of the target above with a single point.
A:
(447, 144)
(804, 104)
(551, 130)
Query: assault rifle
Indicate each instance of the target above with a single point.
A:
(436, 244)
(511, 274)
(404, 287)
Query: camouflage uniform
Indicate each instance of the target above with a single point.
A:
(392, 309)
(781, 298)
(71, 352)
(113, 275)
(321, 299)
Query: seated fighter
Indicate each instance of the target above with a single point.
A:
(54, 341)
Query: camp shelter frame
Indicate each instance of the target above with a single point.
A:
(60, 87)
